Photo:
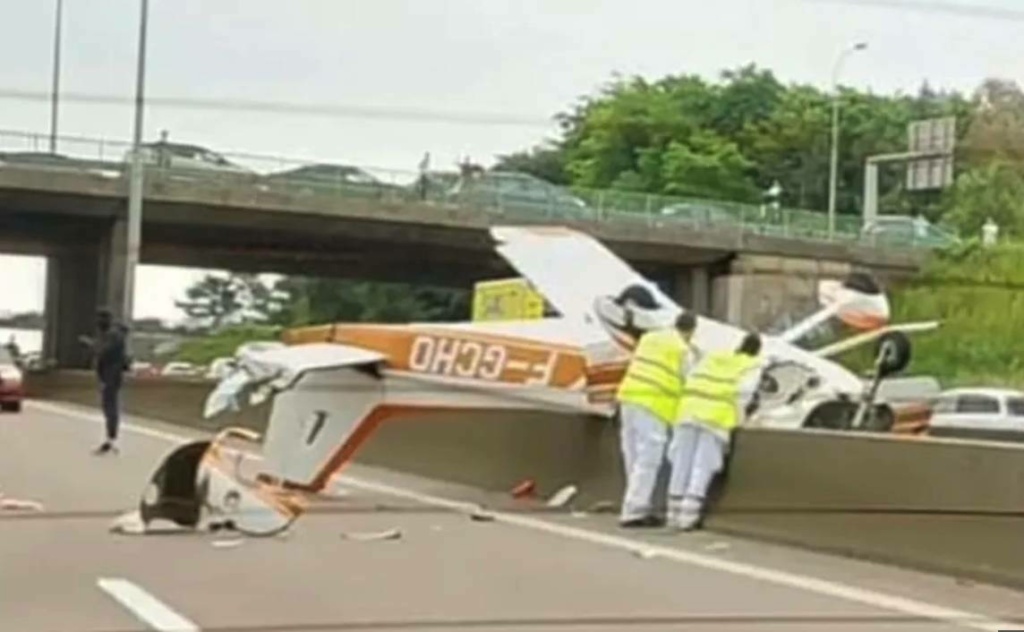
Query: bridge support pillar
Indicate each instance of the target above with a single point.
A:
(79, 281)
(770, 293)
(71, 291)
(693, 289)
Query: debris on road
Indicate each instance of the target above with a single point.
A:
(481, 515)
(389, 534)
(563, 496)
(524, 489)
(14, 504)
(715, 547)
(128, 524)
(228, 544)
(602, 506)
(579, 514)
(645, 554)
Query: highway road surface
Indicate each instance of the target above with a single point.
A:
(62, 571)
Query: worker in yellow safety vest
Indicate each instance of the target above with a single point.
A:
(648, 398)
(714, 401)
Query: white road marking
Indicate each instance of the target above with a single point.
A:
(145, 606)
(911, 607)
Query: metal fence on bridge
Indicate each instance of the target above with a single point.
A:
(511, 195)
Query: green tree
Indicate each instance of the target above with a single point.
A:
(545, 162)
(732, 138)
(317, 300)
(996, 191)
(221, 298)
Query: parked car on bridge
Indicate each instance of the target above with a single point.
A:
(39, 158)
(329, 179)
(515, 192)
(896, 230)
(183, 157)
(12, 390)
(700, 215)
(979, 413)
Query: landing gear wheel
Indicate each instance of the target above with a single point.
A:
(893, 353)
(838, 415)
(882, 420)
(835, 415)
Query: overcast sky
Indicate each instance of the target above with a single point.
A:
(520, 60)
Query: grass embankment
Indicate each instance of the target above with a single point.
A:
(978, 295)
(224, 344)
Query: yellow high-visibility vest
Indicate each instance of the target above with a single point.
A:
(654, 378)
(711, 390)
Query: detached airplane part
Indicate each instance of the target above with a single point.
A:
(330, 386)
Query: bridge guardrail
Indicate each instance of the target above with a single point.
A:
(544, 203)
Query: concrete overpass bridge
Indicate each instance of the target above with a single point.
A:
(75, 215)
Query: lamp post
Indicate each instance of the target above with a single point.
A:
(55, 92)
(834, 162)
(134, 228)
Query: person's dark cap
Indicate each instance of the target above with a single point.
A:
(686, 322)
(751, 344)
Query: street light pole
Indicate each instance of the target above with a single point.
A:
(55, 93)
(134, 228)
(834, 161)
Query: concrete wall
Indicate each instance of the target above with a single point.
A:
(948, 506)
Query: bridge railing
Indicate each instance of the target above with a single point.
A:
(516, 197)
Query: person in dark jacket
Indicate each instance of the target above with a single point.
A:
(110, 354)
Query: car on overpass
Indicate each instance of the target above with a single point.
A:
(12, 390)
(904, 230)
(329, 179)
(517, 194)
(700, 215)
(184, 158)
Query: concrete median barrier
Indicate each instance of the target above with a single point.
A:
(954, 507)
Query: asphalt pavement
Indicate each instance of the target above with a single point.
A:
(61, 570)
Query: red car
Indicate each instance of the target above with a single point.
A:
(12, 390)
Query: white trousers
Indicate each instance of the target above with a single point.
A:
(696, 454)
(644, 439)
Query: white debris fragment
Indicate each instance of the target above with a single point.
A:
(579, 514)
(563, 496)
(717, 546)
(128, 524)
(602, 506)
(645, 554)
(389, 534)
(479, 515)
(13, 504)
(228, 544)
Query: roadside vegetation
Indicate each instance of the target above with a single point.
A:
(978, 294)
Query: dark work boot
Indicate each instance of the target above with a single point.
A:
(647, 522)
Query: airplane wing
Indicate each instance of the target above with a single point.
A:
(263, 370)
(571, 269)
(860, 339)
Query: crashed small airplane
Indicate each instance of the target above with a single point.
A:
(330, 386)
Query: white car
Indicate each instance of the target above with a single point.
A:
(178, 156)
(979, 413)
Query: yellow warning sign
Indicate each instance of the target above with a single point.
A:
(506, 299)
